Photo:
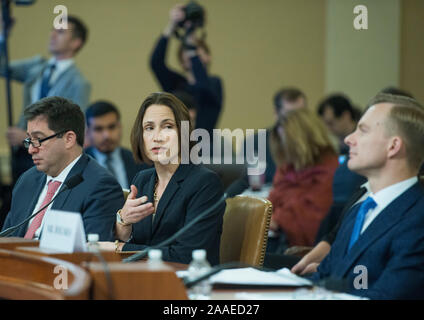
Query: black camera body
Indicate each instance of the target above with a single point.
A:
(195, 14)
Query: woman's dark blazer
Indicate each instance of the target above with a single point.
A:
(191, 190)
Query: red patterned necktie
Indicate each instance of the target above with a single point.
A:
(36, 223)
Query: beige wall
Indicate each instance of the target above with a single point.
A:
(362, 62)
(412, 49)
(257, 47)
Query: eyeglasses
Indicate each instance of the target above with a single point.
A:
(36, 143)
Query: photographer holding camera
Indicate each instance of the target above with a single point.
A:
(194, 57)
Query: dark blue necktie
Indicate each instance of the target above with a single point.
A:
(368, 204)
(109, 164)
(45, 87)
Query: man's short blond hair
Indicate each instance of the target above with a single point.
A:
(406, 119)
(408, 123)
(394, 99)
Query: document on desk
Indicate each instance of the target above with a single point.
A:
(255, 277)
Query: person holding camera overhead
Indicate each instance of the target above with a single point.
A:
(194, 57)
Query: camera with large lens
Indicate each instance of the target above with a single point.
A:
(195, 14)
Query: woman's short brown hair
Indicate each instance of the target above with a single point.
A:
(180, 112)
(303, 140)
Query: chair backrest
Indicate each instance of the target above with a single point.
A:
(245, 230)
(228, 173)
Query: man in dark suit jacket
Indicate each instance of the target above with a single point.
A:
(379, 248)
(55, 140)
(104, 132)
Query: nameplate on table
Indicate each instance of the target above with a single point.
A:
(63, 231)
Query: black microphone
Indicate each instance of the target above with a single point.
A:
(140, 255)
(69, 184)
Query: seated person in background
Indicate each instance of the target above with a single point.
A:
(340, 117)
(104, 131)
(194, 57)
(165, 198)
(286, 99)
(55, 139)
(384, 232)
(345, 186)
(301, 193)
(310, 261)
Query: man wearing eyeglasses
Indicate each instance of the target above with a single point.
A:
(55, 139)
(104, 131)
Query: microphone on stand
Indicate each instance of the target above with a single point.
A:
(69, 184)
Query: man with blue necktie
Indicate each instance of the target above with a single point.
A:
(57, 76)
(379, 247)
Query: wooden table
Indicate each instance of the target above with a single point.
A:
(28, 272)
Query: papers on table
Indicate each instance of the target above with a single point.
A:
(254, 277)
(251, 277)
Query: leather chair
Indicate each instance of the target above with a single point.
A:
(228, 173)
(245, 230)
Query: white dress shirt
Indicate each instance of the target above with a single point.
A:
(383, 198)
(61, 178)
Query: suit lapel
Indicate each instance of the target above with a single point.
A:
(39, 183)
(127, 168)
(38, 74)
(78, 168)
(347, 216)
(147, 222)
(386, 219)
(171, 189)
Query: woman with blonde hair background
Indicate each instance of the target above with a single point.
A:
(301, 193)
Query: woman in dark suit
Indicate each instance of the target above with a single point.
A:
(168, 196)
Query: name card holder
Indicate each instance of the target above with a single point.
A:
(63, 231)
